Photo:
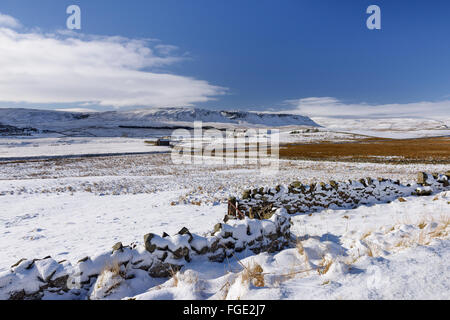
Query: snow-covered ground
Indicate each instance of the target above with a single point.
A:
(20, 148)
(71, 226)
(71, 208)
(388, 251)
(56, 145)
(68, 134)
(395, 128)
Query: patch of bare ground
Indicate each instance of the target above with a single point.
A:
(424, 150)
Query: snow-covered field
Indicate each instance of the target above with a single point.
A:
(69, 206)
(72, 208)
(395, 128)
(41, 147)
(387, 251)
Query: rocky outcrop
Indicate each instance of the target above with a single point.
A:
(6, 130)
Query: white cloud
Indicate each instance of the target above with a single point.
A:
(332, 107)
(63, 67)
(9, 22)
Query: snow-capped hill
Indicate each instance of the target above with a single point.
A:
(186, 115)
(384, 124)
(400, 128)
(168, 117)
(33, 116)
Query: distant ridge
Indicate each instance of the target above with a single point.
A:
(155, 118)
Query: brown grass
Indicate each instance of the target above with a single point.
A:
(114, 268)
(174, 276)
(300, 248)
(324, 266)
(422, 225)
(370, 252)
(254, 274)
(301, 251)
(426, 150)
(225, 289)
(441, 230)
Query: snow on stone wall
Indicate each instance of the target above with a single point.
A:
(299, 198)
(159, 257)
(162, 256)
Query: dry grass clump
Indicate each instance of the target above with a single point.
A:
(114, 268)
(422, 225)
(425, 235)
(324, 265)
(253, 273)
(370, 252)
(423, 239)
(300, 248)
(225, 290)
(442, 228)
(113, 271)
(186, 278)
(174, 276)
(403, 243)
(366, 235)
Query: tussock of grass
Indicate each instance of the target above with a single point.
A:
(423, 241)
(422, 225)
(111, 270)
(366, 235)
(253, 273)
(174, 277)
(300, 248)
(324, 265)
(370, 252)
(225, 289)
(114, 268)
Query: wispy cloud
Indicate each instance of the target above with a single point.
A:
(332, 107)
(9, 22)
(64, 67)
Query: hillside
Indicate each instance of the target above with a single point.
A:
(151, 118)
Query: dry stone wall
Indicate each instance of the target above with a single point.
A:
(296, 198)
(263, 226)
(158, 257)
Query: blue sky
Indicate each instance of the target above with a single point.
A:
(265, 55)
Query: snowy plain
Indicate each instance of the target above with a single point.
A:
(72, 207)
(36, 147)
